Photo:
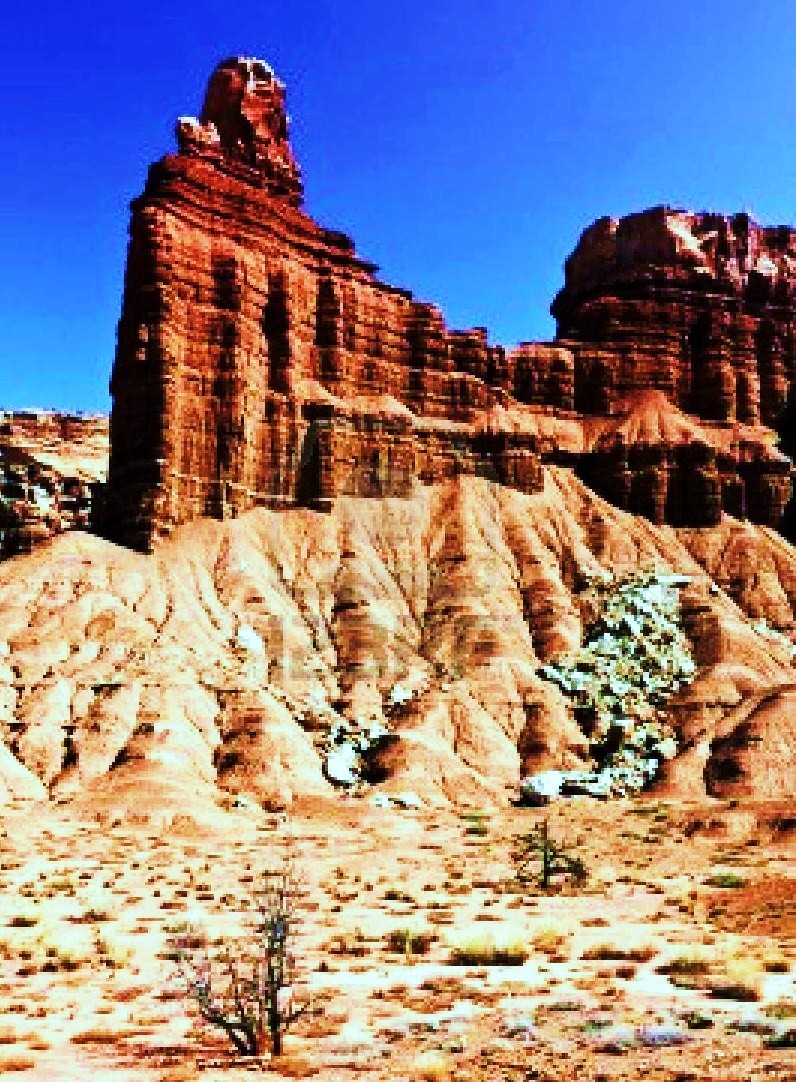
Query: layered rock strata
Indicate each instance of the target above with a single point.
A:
(239, 654)
(701, 308)
(260, 361)
(52, 469)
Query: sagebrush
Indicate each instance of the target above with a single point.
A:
(247, 986)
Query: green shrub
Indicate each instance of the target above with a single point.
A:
(540, 860)
(726, 880)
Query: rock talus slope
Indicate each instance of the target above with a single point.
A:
(220, 663)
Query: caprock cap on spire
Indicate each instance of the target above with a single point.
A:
(244, 118)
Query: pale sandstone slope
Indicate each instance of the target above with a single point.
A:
(221, 661)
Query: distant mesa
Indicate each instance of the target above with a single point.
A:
(52, 471)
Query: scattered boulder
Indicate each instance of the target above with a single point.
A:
(634, 658)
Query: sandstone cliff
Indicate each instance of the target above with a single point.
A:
(261, 362)
(698, 305)
(422, 633)
(701, 308)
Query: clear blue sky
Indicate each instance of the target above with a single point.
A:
(464, 144)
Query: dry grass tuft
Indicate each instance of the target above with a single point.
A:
(608, 952)
(549, 939)
(478, 949)
(409, 941)
(432, 1066)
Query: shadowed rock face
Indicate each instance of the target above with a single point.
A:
(261, 362)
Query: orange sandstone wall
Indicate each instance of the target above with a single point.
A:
(242, 316)
(700, 306)
(261, 362)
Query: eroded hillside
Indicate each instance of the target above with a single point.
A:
(229, 661)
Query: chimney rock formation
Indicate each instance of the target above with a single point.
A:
(261, 362)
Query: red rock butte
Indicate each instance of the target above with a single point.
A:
(260, 361)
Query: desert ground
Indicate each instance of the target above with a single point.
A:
(162, 748)
(673, 961)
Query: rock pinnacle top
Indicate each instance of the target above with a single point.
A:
(244, 120)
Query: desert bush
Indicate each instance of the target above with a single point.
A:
(28, 917)
(785, 1039)
(48, 946)
(695, 1019)
(780, 1009)
(23, 920)
(740, 978)
(542, 861)
(353, 943)
(776, 963)
(738, 990)
(721, 976)
(392, 894)
(687, 965)
(246, 987)
(475, 824)
(726, 880)
(114, 952)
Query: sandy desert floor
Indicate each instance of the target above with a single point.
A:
(675, 961)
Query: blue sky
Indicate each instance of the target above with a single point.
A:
(464, 144)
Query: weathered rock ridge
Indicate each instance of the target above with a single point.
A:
(261, 362)
(701, 308)
(52, 467)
